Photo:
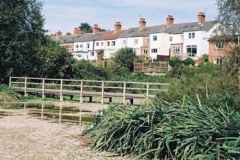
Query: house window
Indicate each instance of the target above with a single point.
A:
(171, 39)
(92, 53)
(217, 60)
(219, 45)
(76, 46)
(113, 43)
(192, 50)
(97, 44)
(102, 43)
(124, 41)
(80, 46)
(176, 49)
(191, 35)
(145, 51)
(88, 45)
(155, 38)
(108, 43)
(135, 41)
(154, 50)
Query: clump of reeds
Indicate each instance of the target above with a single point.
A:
(184, 130)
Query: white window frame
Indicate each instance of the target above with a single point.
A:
(193, 50)
(154, 50)
(176, 49)
(191, 35)
(219, 45)
(217, 60)
(155, 38)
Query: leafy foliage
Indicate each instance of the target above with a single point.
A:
(25, 48)
(85, 27)
(229, 12)
(125, 57)
(186, 130)
(21, 30)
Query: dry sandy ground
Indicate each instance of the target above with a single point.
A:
(23, 137)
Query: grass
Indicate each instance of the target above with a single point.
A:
(183, 130)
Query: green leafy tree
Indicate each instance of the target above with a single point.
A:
(125, 57)
(228, 17)
(21, 30)
(85, 27)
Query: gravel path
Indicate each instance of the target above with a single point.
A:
(23, 137)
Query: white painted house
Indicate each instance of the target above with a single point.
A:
(183, 39)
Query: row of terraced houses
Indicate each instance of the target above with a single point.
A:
(190, 39)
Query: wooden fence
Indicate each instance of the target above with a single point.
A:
(86, 88)
(151, 67)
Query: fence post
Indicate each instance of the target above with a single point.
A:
(61, 90)
(147, 94)
(25, 87)
(102, 100)
(43, 88)
(124, 92)
(10, 81)
(81, 92)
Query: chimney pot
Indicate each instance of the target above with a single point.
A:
(170, 20)
(76, 31)
(95, 28)
(142, 23)
(59, 33)
(201, 18)
(117, 26)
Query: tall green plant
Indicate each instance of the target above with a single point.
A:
(186, 130)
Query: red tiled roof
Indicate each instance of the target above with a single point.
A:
(110, 35)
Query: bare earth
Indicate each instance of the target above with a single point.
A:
(23, 137)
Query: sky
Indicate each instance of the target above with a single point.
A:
(64, 15)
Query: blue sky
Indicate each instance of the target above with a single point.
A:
(64, 15)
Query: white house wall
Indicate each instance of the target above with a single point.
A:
(162, 44)
(136, 43)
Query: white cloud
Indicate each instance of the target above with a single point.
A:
(67, 14)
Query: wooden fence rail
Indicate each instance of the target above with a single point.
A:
(86, 88)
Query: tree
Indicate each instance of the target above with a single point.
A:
(25, 48)
(125, 57)
(21, 30)
(229, 16)
(85, 27)
(229, 19)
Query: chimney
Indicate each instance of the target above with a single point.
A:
(201, 18)
(95, 28)
(142, 23)
(68, 33)
(76, 31)
(58, 33)
(170, 20)
(118, 26)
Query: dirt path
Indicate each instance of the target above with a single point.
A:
(23, 137)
